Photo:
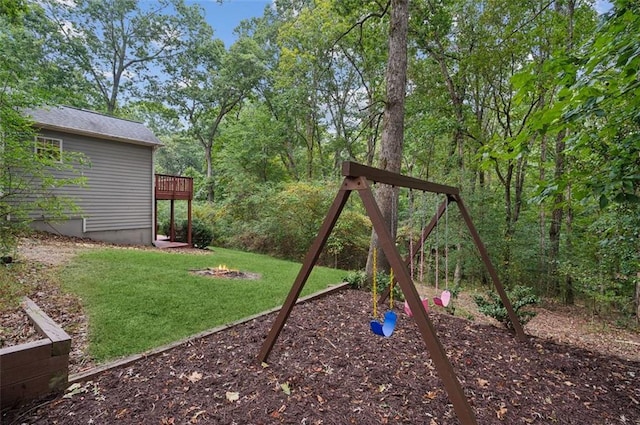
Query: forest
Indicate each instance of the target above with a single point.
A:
(531, 108)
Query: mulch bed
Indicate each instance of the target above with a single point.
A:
(328, 368)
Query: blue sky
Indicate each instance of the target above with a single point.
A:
(602, 6)
(225, 17)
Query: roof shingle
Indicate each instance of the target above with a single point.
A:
(80, 121)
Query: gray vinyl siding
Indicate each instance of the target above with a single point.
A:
(118, 191)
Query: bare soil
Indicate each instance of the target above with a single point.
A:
(327, 368)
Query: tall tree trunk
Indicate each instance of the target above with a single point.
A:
(393, 122)
(638, 297)
(208, 147)
(569, 297)
(565, 289)
(542, 263)
(556, 218)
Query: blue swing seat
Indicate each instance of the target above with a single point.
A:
(386, 328)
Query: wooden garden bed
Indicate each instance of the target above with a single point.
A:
(35, 368)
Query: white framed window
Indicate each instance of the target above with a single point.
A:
(49, 148)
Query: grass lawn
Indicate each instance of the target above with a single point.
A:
(141, 299)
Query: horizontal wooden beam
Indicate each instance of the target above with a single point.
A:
(60, 340)
(353, 169)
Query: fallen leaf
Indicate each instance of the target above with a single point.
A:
(194, 418)
(285, 388)
(431, 395)
(194, 377)
(121, 414)
(233, 396)
(501, 412)
(483, 382)
(73, 390)
(264, 365)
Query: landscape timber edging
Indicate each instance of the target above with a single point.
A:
(36, 368)
(93, 372)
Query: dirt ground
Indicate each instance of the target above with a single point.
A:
(327, 368)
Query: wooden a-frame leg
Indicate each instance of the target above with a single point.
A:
(520, 335)
(310, 260)
(438, 355)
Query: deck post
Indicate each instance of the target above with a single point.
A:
(172, 223)
(189, 239)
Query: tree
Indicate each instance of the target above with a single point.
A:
(27, 179)
(591, 113)
(393, 121)
(601, 109)
(206, 83)
(119, 44)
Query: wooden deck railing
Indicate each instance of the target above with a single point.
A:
(174, 187)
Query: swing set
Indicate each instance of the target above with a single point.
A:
(357, 178)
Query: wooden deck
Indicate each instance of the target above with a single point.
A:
(173, 187)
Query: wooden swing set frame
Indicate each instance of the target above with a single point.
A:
(357, 178)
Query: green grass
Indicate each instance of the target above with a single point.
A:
(11, 290)
(137, 299)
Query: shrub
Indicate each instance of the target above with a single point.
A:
(357, 279)
(348, 244)
(201, 233)
(520, 297)
(383, 280)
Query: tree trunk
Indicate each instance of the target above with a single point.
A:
(393, 123)
(559, 287)
(542, 263)
(567, 290)
(207, 153)
(638, 297)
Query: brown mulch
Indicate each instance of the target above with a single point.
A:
(328, 368)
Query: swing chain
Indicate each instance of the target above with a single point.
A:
(374, 282)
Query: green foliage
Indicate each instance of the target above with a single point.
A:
(348, 243)
(357, 279)
(137, 300)
(383, 280)
(113, 44)
(28, 182)
(521, 297)
(201, 233)
(201, 223)
(11, 290)
(605, 265)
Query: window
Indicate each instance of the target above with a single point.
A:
(49, 148)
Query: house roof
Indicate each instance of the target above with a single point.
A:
(88, 123)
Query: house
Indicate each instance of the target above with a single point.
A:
(117, 202)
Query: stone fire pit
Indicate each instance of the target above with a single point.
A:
(222, 271)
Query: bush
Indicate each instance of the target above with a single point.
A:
(520, 297)
(356, 279)
(383, 280)
(201, 233)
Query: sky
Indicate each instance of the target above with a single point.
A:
(602, 6)
(225, 17)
